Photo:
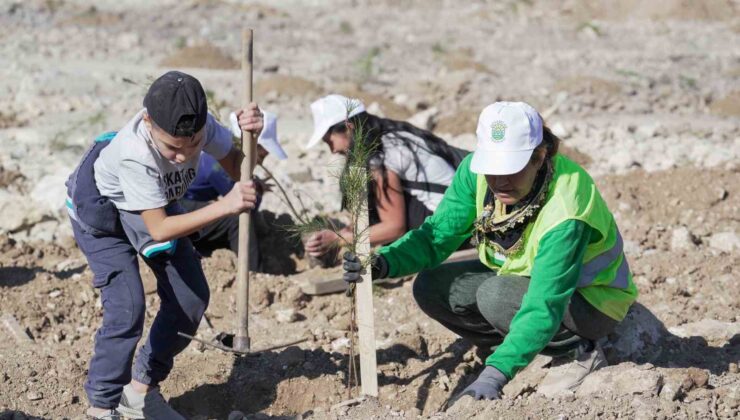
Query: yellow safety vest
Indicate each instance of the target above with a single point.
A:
(606, 280)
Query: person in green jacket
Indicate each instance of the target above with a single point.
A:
(551, 277)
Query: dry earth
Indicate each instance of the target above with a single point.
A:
(644, 94)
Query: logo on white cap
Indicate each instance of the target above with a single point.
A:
(507, 134)
(498, 131)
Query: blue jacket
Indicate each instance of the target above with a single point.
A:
(210, 182)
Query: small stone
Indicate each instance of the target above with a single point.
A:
(444, 380)
(568, 396)
(340, 344)
(34, 396)
(55, 293)
(286, 316)
(732, 368)
(699, 377)
(463, 369)
(670, 391)
(261, 296)
(237, 415)
(681, 238)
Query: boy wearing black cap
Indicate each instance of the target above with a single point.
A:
(123, 202)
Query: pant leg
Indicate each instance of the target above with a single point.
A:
(585, 320)
(116, 273)
(448, 295)
(499, 299)
(184, 295)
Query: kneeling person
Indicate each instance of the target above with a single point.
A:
(551, 277)
(213, 182)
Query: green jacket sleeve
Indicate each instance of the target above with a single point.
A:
(554, 277)
(441, 233)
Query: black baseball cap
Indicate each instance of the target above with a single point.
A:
(177, 104)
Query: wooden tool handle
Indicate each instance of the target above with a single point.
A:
(241, 339)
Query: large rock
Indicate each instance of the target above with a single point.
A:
(637, 338)
(682, 239)
(529, 378)
(622, 380)
(725, 241)
(716, 332)
(50, 191)
(18, 212)
(425, 119)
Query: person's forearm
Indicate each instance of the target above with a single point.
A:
(178, 226)
(232, 163)
(385, 233)
(554, 278)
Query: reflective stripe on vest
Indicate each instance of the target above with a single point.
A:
(601, 262)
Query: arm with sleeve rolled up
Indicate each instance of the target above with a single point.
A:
(142, 187)
(391, 208)
(163, 227)
(441, 233)
(250, 119)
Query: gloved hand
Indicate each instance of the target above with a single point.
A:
(487, 387)
(353, 267)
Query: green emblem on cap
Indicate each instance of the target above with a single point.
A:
(498, 130)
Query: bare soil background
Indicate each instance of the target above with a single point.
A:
(645, 95)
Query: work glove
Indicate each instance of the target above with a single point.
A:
(353, 267)
(488, 386)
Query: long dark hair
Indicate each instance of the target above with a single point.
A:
(373, 129)
(549, 141)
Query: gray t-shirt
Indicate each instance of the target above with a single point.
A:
(414, 162)
(135, 176)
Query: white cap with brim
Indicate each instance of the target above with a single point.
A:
(268, 138)
(329, 111)
(507, 134)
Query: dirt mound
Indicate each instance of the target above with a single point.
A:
(205, 56)
(584, 84)
(656, 10)
(286, 86)
(389, 108)
(729, 106)
(462, 59)
(92, 17)
(463, 121)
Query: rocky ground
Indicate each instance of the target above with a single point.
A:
(645, 94)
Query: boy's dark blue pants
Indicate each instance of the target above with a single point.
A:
(181, 286)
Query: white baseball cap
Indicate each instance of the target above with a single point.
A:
(507, 134)
(331, 110)
(268, 138)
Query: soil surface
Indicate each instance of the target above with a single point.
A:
(645, 96)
